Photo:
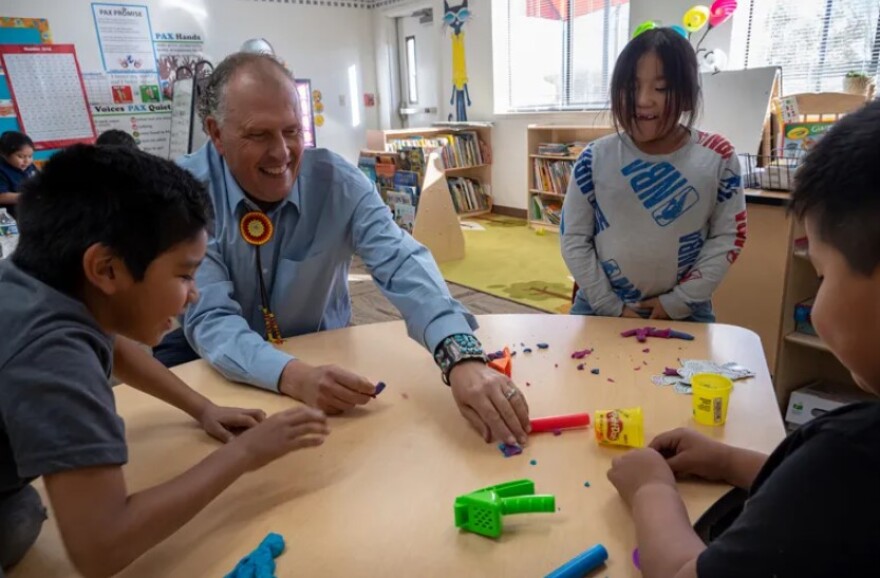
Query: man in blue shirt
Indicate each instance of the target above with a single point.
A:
(315, 211)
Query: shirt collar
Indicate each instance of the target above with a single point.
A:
(235, 195)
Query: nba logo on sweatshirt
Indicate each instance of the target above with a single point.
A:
(662, 189)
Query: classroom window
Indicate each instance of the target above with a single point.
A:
(556, 54)
(816, 42)
(412, 85)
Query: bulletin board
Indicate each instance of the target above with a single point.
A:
(47, 92)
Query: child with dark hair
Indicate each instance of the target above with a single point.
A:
(654, 215)
(16, 165)
(116, 137)
(812, 508)
(95, 271)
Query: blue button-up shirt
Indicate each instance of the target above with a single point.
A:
(332, 212)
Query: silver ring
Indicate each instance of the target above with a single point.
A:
(509, 394)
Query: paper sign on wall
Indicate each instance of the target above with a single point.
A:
(124, 37)
(149, 124)
(48, 94)
(174, 50)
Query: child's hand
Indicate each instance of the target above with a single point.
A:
(282, 433)
(638, 469)
(691, 453)
(627, 312)
(657, 311)
(223, 423)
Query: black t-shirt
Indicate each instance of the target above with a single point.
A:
(814, 509)
(57, 410)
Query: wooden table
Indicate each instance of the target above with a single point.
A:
(376, 499)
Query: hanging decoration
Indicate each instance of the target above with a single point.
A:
(695, 19)
(257, 230)
(645, 26)
(455, 17)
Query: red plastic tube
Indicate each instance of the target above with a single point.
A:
(559, 422)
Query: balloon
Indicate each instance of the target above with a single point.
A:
(713, 61)
(695, 18)
(720, 11)
(680, 30)
(644, 26)
(257, 46)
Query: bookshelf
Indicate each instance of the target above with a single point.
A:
(803, 358)
(548, 174)
(458, 169)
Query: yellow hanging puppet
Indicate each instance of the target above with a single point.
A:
(455, 17)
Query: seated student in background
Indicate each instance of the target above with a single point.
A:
(16, 165)
(814, 503)
(654, 215)
(116, 137)
(95, 269)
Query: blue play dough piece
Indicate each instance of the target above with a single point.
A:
(261, 562)
(379, 388)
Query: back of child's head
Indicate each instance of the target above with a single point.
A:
(136, 204)
(680, 72)
(116, 137)
(13, 141)
(838, 188)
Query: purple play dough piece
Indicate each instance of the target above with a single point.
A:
(636, 559)
(509, 451)
(380, 387)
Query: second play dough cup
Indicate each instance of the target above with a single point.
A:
(711, 396)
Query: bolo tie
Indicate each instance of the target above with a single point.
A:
(256, 229)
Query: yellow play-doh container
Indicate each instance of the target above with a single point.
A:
(620, 427)
(711, 397)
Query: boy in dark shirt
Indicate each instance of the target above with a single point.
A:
(110, 240)
(814, 504)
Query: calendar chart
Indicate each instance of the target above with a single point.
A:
(48, 94)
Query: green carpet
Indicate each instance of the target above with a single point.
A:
(509, 260)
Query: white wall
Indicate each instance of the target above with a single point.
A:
(510, 162)
(317, 42)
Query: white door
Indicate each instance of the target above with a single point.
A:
(419, 65)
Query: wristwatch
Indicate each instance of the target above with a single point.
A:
(455, 349)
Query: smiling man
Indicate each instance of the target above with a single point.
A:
(305, 212)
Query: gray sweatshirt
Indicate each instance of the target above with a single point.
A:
(636, 226)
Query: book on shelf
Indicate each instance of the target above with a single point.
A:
(553, 148)
(468, 195)
(548, 211)
(403, 205)
(457, 150)
(552, 176)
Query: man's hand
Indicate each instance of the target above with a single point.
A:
(639, 469)
(656, 308)
(690, 453)
(490, 402)
(282, 433)
(327, 387)
(223, 423)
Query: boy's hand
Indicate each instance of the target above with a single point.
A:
(657, 311)
(223, 423)
(282, 433)
(691, 453)
(326, 387)
(638, 469)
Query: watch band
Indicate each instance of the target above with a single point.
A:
(455, 349)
